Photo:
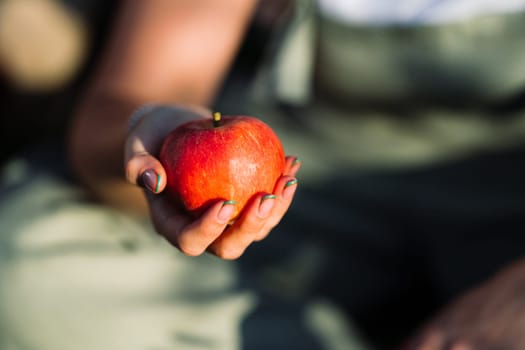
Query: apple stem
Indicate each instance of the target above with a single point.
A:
(216, 119)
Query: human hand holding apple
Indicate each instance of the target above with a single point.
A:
(256, 197)
(231, 158)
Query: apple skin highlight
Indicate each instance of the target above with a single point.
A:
(228, 158)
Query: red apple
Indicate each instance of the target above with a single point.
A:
(228, 158)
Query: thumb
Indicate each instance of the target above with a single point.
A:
(145, 139)
(142, 168)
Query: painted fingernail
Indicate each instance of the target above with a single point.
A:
(266, 206)
(151, 180)
(289, 189)
(290, 183)
(226, 211)
(296, 161)
(269, 196)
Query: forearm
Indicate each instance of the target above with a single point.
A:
(161, 51)
(96, 146)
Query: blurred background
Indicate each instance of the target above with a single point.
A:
(47, 52)
(47, 49)
(426, 158)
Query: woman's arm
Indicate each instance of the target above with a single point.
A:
(162, 51)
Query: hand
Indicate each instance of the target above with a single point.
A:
(489, 317)
(210, 232)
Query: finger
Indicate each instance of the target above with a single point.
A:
(234, 241)
(156, 123)
(292, 165)
(284, 192)
(168, 220)
(146, 171)
(145, 140)
(194, 238)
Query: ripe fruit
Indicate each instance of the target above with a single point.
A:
(232, 158)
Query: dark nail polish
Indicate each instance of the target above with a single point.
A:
(150, 180)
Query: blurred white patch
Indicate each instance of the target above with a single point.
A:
(415, 12)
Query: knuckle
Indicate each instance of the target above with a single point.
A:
(261, 235)
(133, 167)
(211, 233)
(253, 226)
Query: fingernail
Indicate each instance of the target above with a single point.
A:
(226, 211)
(289, 189)
(266, 206)
(296, 161)
(290, 183)
(151, 180)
